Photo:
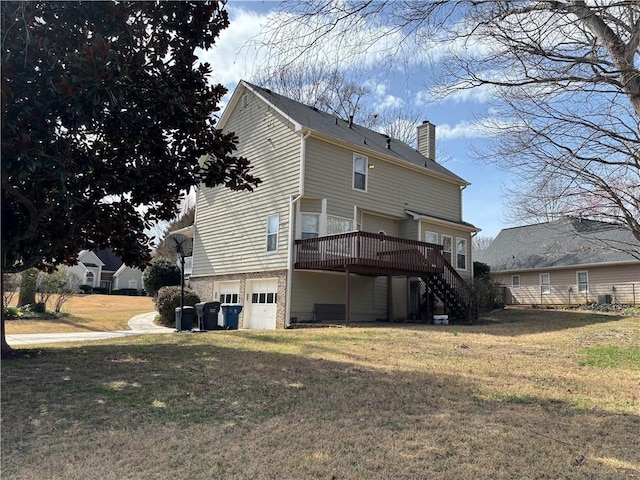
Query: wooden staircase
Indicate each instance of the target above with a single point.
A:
(453, 291)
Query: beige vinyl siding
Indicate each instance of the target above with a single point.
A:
(376, 223)
(390, 188)
(602, 280)
(368, 294)
(128, 274)
(230, 232)
(311, 205)
(409, 230)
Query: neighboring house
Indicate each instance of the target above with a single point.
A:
(568, 261)
(338, 229)
(104, 269)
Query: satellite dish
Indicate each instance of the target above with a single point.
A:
(181, 244)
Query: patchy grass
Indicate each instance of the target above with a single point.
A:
(510, 398)
(95, 312)
(611, 356)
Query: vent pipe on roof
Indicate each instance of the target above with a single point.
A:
(388, 144)
(427, 140)
(350, 121)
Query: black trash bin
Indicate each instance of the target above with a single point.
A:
(185, 319)
(231, 314)
(208, 315)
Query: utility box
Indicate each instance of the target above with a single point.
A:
(231, 314)
(208, 315)
(185, 317)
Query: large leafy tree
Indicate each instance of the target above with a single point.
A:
(564, 77)
(106, 112)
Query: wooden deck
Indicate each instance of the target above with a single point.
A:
(369, 253)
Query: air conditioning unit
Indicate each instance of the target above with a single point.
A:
(604, 299)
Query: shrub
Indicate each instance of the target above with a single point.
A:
(10, 284)
(168, 299)
(86, 288)
(11, 312)
(161, 273)
(103, 290)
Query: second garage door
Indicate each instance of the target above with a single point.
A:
(262, 304)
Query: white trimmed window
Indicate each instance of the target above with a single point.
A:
(310, 223)
(447, 247)
(360, 167)
(461, 253)
(545, 283)
(431, 237)
(338, 225)
(89, 278)
(515, 281)
(273, 223)
(583, 282)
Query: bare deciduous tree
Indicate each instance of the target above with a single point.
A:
(482, 242)
(564, 76)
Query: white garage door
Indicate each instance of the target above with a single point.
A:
(228, 292)
(261, 304)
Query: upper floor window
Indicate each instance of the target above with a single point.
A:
(360, 167)
(545, 283)
(245, 99)
(272, 233)
(310, 225)
(338, 225)
(461, 253)
(583, 282)
(515, 281)
(431, 237)
(447, 247)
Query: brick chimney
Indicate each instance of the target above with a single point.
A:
(427, 140)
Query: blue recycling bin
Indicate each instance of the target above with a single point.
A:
(185, 319)
(231, 315)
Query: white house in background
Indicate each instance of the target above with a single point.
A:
(104, 269)
(348, 224)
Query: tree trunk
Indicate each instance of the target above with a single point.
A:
(27, 294)
(5, 349)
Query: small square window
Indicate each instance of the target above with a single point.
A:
(515, 281)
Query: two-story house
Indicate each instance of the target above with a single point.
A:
(348, 223)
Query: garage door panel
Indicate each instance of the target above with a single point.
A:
(263, 303)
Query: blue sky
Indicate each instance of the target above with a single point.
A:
(458, 119)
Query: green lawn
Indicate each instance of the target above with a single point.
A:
(529, 395)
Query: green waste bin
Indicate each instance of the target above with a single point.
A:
(231, 314)
(185, 318)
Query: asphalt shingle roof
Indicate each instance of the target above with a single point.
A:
(563, 243)
(355, 134)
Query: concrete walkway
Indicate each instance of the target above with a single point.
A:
(139, 325)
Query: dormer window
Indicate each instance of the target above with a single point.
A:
(360, 168)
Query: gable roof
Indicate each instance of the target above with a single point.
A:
(110, 260)
(329, 126)
(565, 242)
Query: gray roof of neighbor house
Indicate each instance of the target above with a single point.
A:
(563, 243)
(330, 125)
(111, 261)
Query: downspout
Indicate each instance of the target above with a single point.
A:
(293, 199)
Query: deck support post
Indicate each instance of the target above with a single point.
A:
(347, 312)
(390, 299)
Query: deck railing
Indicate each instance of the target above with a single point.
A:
(371, 250)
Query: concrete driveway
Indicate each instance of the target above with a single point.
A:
(139, 325)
